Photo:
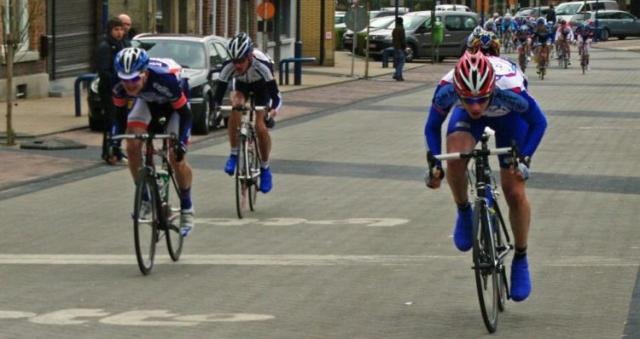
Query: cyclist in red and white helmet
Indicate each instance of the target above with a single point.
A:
(487, 91)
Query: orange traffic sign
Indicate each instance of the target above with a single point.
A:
(266, 10)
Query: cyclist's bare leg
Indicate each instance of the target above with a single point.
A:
(237, 99)
(519, 208)
(457, 169)
(184, 173)
(264, 139)
(134, 151)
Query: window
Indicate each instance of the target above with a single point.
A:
(282, 19)
(470, 23)
(453, 23)
(22, 29)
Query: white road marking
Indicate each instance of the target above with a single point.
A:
(292, 260)
(153, 318)
(143, 318)
(68, 316)
(222, 259)
(367, 222)
(15, 314)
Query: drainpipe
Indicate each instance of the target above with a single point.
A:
(322, 29)
(297, 48)
(200, 15)
(214, 9)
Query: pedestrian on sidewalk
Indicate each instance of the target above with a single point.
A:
(129, 33)
(399, 45)
(110, 45)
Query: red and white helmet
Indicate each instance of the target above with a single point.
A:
(474, 76)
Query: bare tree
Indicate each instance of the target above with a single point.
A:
(17, 17)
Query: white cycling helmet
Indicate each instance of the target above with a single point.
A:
(240, 46)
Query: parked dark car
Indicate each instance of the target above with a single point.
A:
(614, 23)
(374, 25)
(201, 59)
(417, 25)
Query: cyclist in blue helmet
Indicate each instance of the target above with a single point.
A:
(160, 93)
(249, 71)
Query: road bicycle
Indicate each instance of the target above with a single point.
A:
(248, 169)
(156, 207)
(491, 240)
(563, 54)
(543, 57)
(507, 42)
(523, 51)
(583, 50)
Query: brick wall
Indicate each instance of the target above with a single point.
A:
(311, 30)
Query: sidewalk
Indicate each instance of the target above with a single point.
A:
(324, 88)
(37, 117)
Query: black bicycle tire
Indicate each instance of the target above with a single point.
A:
(499, 242)
(240, 165)
(174, 251)
(145, 179)
(253, 184)
(482, 235)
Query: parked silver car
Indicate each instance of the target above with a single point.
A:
(618, 24)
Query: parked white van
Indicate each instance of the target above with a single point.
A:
(574, 10)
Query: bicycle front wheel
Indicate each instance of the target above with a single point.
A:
(145, 220)
(484, 265)
(171, 210)
(253, 163)
(241, 177)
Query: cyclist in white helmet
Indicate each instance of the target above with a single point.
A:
(249, 71)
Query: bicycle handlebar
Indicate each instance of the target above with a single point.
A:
(145, 136)
(474, 154)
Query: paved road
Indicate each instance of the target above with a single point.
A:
(349, 244)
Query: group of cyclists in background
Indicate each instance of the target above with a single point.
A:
(532, 37)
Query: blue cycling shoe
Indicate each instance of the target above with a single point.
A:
(520, 279)
(463, 232)
(230, 167)
(265, 180)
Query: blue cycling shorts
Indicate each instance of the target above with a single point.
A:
(508, 127)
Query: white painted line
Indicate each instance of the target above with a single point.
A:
(367, 222)
(292, 260)
(222, 259)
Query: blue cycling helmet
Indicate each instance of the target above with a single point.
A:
(524, 28)
(130, 62)
(240, 46)
(541, 21)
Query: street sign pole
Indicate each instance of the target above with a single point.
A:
(366, 48)
(355, 38)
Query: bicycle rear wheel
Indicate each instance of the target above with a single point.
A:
(171, 211)
(145, 223)
(484, 265)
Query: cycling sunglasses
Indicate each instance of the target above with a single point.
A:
(239, 61)
(476, 100)
(132, 80)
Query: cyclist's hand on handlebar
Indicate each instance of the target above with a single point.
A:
(180, 151)
(520, 167)
(434, 174)
(433, 177)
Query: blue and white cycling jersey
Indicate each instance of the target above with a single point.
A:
(164, 92)
(512, 112)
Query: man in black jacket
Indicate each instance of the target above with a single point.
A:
(110, 45)
(551, 15)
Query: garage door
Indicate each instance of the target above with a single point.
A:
(72, 26)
